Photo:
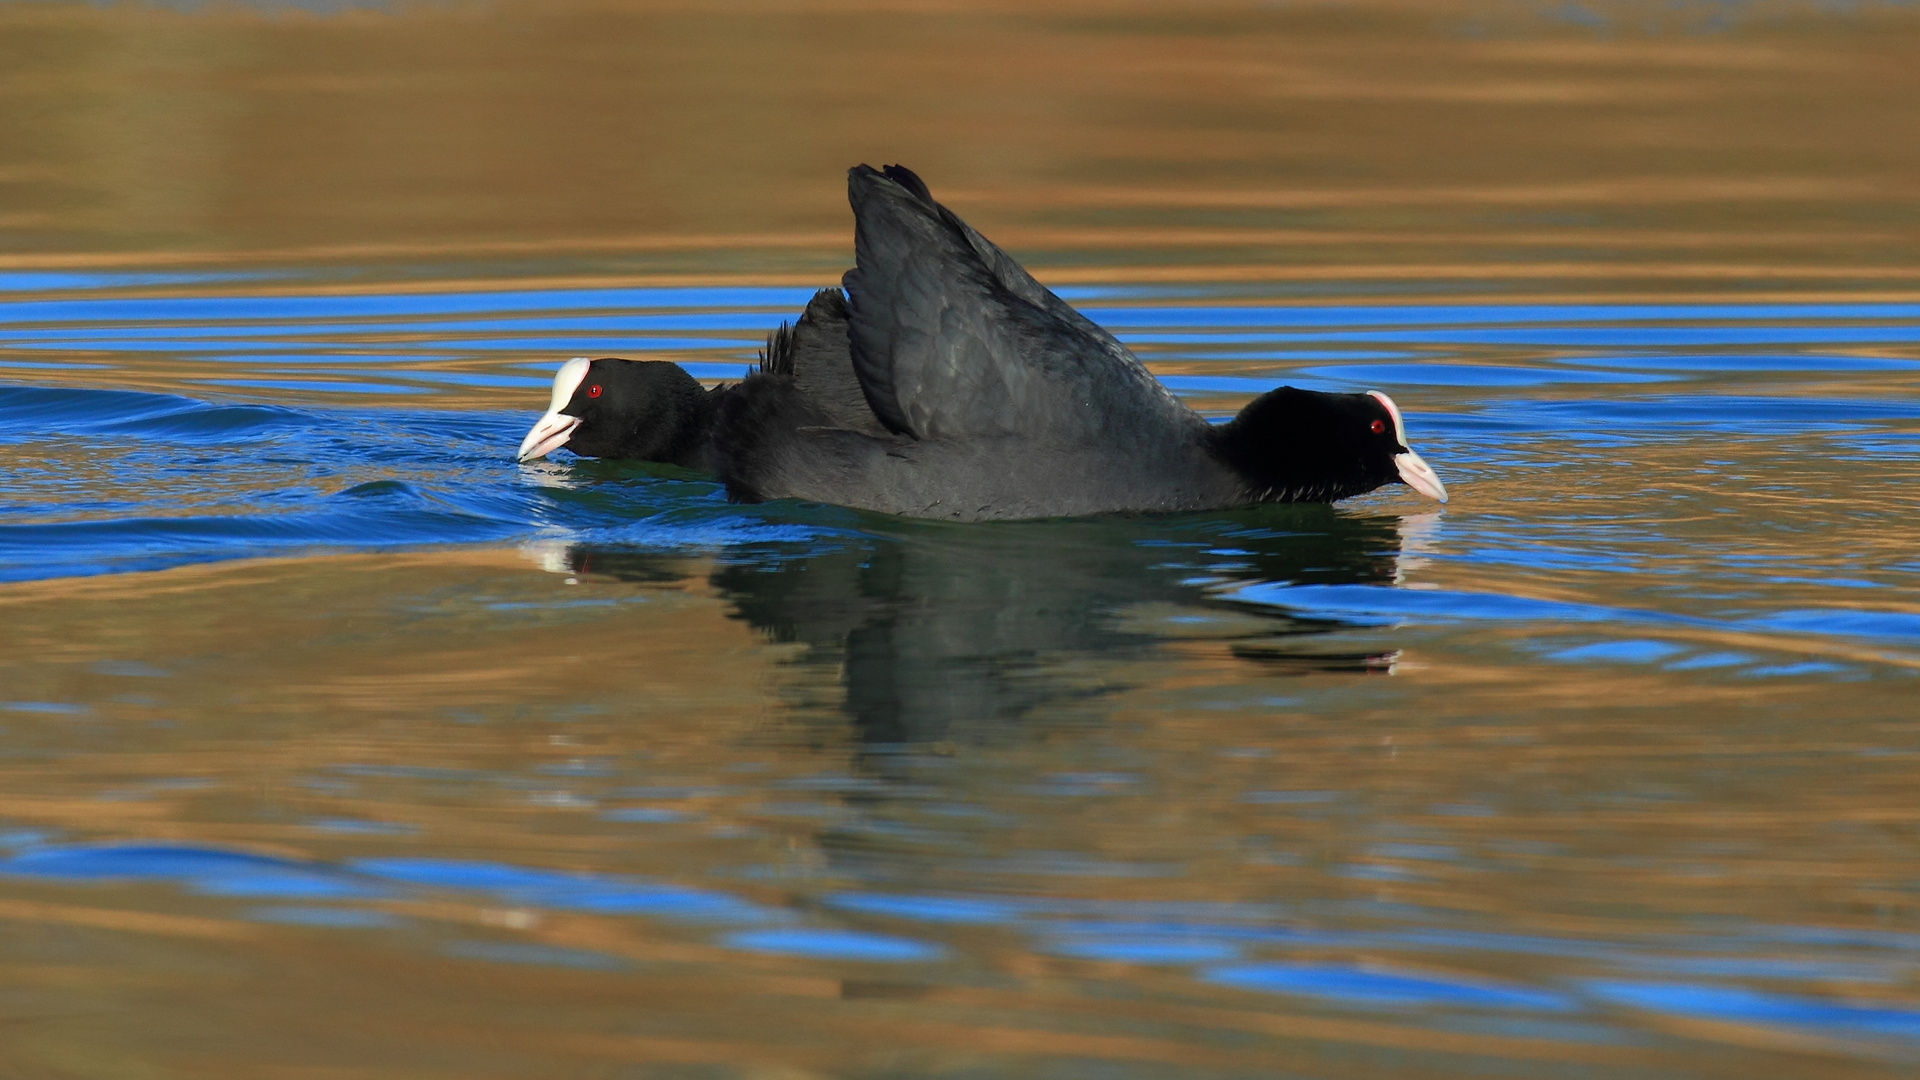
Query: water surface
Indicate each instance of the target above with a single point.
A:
(334, 741)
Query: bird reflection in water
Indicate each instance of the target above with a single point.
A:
(945, 633)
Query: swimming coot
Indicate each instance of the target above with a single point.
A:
(948, 383)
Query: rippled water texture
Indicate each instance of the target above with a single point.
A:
(335, 743)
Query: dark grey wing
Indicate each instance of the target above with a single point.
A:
(951, 338)
(815, 354)
(1000, 264)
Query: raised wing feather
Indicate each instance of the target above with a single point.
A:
(953, 339)
(814, 354)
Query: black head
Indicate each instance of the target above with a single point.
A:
(643, 410)
(1294, 445)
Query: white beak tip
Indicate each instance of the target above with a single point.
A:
(1418, 475)
(550, 434)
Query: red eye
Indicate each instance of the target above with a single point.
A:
(1379, 426)
(594, 391)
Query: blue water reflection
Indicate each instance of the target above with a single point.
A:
(209, 871)
(1369, 987)
(1632, 491)
(1471, 375)
(1743, 1005)
(1238, 946)
(834, 945)
(212, 310)
(1373, 605)
(570, 892)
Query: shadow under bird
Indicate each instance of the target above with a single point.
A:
(947, 383)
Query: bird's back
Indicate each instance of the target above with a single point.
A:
(985, 395)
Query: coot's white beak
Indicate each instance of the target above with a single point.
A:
(1420, 476)
(1417, 474)
(556, 427)
(550, 434)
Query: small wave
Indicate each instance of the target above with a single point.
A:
(30, 411)
(1368, 605)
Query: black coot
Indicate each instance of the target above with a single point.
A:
(949, 383)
